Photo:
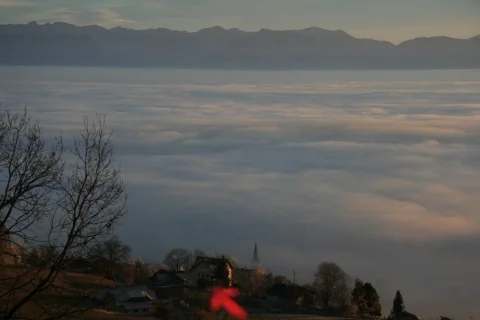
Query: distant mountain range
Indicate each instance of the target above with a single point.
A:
(313, 48)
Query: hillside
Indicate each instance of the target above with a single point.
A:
(68, 291)
(312, 48)
(71, 290)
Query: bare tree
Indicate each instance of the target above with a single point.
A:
(62, 198)
(107, 256)
(140, 271)
(330, 283)
(198, 253)
(178, 259)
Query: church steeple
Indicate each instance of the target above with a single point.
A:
(256, 259)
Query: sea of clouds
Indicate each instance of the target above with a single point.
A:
(377, 171)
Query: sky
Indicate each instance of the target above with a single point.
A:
(391, 20)
(376, 171)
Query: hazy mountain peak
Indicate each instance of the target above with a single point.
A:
(312, 29)
(316, 31)
(217, 47)
(212, 29)
(425, 41)
(60, 23)
(119, 28)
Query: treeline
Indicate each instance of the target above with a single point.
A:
(330, 291)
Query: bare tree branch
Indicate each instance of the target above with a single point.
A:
(178, 259)
(54, 204)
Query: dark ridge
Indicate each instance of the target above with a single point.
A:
(61, 43)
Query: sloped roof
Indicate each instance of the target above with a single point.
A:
(173, 276)
(122, 294)
(212, 263)
(181, 275)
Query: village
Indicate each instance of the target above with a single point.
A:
(131, 287)
(179, 288)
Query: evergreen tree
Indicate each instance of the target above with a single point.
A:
(372, 301)
(358, 298)
(398, 305)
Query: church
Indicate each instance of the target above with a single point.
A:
(245, 277)
(204, 271)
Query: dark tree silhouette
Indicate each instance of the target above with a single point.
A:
(198, 253)
(140, 272)
(358, 298)
(178, 259)
(398, 305)
(280, 279)
(372, 301)
(107, 256)
(330, 284)
(54, 198)
(308, 296)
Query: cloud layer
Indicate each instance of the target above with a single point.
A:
(377, 171)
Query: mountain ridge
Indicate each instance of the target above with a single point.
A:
(217, 47)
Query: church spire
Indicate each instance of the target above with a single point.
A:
(256, 259)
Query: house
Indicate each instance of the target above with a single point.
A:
(242, 277)
(207, 271)
(168, 284)
(252, 279)
(164, 278)
(128, 299)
